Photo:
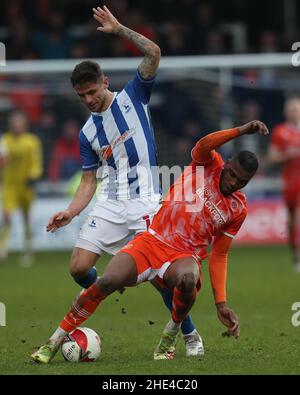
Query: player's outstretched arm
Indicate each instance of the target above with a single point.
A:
(83, 195)
(218, 273)
(203, 150)
(151, 51)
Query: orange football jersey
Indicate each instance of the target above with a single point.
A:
(194, 210)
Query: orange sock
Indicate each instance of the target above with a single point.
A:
(83, 307)
(182, 303)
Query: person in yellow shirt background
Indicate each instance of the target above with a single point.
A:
(21, 166)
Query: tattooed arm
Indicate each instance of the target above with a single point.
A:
(151, 51)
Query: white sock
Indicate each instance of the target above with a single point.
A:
(58, 336)
(173, 326)
(189, 334)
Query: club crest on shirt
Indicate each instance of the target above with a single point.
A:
(234, 205)
(127, 107)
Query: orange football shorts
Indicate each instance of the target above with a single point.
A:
(152, 257)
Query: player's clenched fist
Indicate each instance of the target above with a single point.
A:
(59, 220)
(254, 127)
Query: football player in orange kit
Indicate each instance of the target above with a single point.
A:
(203, 206)
(285, 150)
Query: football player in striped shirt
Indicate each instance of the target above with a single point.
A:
(117, 147)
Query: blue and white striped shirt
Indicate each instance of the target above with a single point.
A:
(119, 142)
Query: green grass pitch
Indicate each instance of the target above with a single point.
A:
(261, 289)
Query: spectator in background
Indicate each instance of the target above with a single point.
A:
(54, 42)
(19, 41)
(269, 42)
(48, 132)
(138, 23)
(93, 45)
(21, 164)
(79, 50)
(202, 21)
(215, 43)
(175, 108)
(192, 130)
(12, 12)
(3, 152)
(65, 159)
(183, 150)
(174, 38)
(28, 96)
(111, 46)
(249, 110)
(285, 150)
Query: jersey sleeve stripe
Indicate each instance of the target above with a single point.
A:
(229, 235)
(90, 167)
(88, 156)
(146, 80)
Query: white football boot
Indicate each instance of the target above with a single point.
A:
(193, 344)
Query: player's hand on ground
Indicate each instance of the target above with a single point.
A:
(229, 319)
(254, 127)
(58, 220)
(109, 24)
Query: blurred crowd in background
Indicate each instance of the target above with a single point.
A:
(60, 29)
(182, 109)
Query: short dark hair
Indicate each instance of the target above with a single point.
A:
(247, 160)
(86, 71)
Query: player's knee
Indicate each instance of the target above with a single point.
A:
(187, 282)
(107, 284)
(77, 269)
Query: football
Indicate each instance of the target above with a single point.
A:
(81, 345)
